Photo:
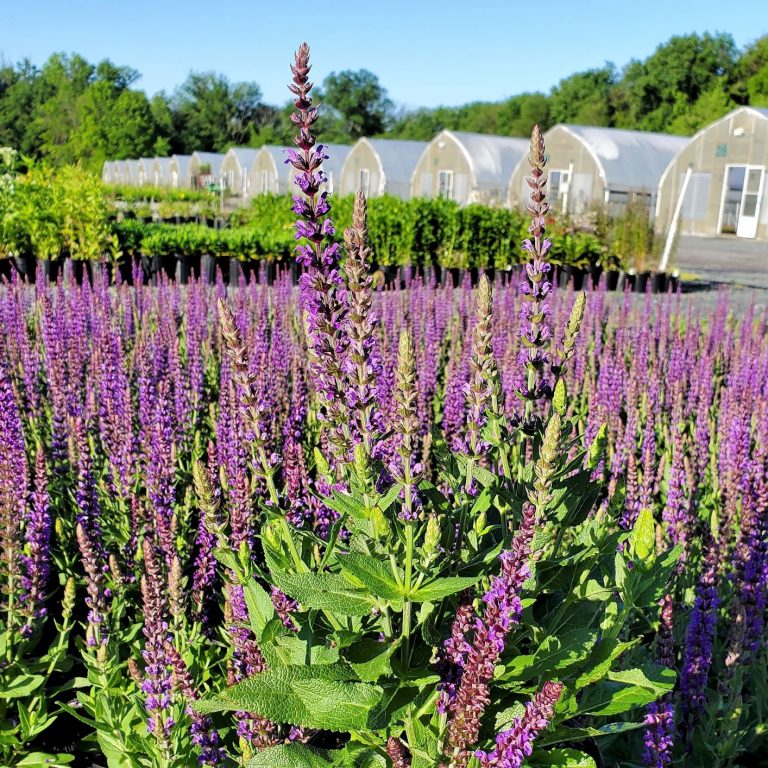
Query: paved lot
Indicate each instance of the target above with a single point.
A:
(725, 260)
(741, 265)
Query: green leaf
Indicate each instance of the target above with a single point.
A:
(261, 610)
(560, 758)
(355, 755)
(643, 536)
(601, 661)
(45, 760)
(325, 696)
(289, 756)
(324, 591)
(624, 690)
(555, 653)
(440, 588)
(370, 659)
(344, 504)
(651, 676)
(21, 685)
(372, 573)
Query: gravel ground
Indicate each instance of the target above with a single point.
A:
(738, 264)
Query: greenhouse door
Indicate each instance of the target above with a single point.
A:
(750, 203)
(741, 200)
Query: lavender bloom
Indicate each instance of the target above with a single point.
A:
(483, 376)
(322, 287)
(204, 574)
(516, 743)
(535, 332)
(363, 361)
(204, 736)
(406, 470)
(699, 641)
(157, 679)
(396, 753)
(284, 606)
(660, 718)
(13, 490)
(502, 610)
(36, 560)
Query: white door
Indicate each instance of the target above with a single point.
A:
(750, 202)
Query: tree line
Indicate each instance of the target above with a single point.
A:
(71, 110)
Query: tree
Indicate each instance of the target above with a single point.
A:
(214, 114)
(686, 66)
(584, 98)
(359, 100)
(751, 86)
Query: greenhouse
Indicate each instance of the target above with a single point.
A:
(145, 170)
(268, 173)
(381, 166)
(716, 184)
(600, 167)
(467, 167)
(110, 172)
(131, 174)
(178, 172)
(159, 173)
(205, 169)
(235, 171)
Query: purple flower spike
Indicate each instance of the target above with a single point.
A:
(502, 610)
(516, 743)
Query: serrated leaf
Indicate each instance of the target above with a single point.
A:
(505, 717)
(355, 755)
(560, 758)
(20, 686)
(643, 536)
(372, 573)
(345, 504)
(325, 696)
(324, 591)
(601, 661)
(612, 698)
(440, 588)
(555, 653)
(371, 659)
(45, 760)
(260, 607)
(651, 676)
(289, 756)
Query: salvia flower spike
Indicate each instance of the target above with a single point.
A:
(322, 286)
(535, 330)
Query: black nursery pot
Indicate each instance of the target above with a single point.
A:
(628, 282)
(26, 266)
(208, 268)
(150, 266)
(454, 275)
(52, 268)
(612, 279)
(660, 282)
(595, 273)
(641, 284)
(563, 274)
(578, 274)
(247, 268)
(6, 270)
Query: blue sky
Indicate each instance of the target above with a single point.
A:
(424, 52)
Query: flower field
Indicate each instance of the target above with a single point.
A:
(328, 525)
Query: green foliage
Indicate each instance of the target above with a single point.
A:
(359, 102)
(52, 213)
